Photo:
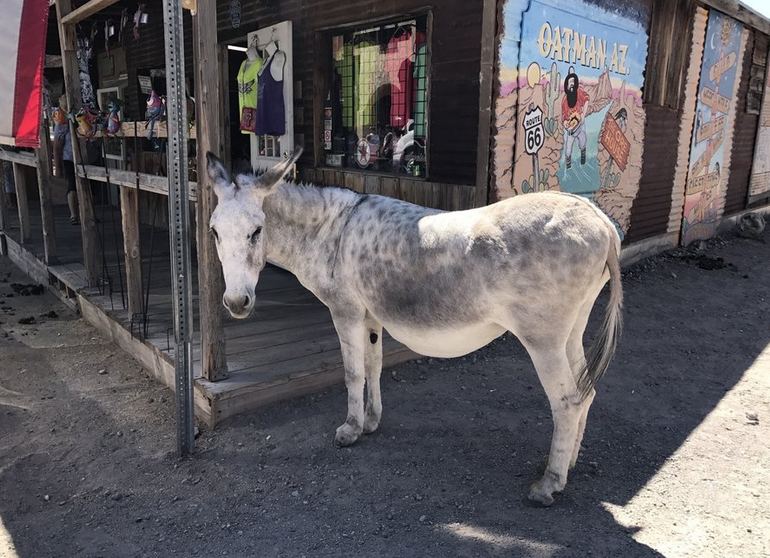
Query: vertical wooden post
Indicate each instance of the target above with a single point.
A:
(209, 134)
(68, 42)
(20, 178)
(486, 76)
(129, 213)
(3, 209)
(44, 189)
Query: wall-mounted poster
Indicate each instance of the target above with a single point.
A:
(578, 71)
(760, 170)
(714, 115)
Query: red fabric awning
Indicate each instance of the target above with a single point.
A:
(22, 52)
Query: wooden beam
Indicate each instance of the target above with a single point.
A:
(86, 10)
(129, 213)
(160, 130)
(208, 101)
(742, 13)
(22, 202)
(44, 190)
(68, 43)
(20, 157)
(486, 78)
(3, 208)
(147, 182)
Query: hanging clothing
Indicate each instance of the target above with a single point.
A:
(398, 67)
(247, 93)
(366, 55)
(271, 109)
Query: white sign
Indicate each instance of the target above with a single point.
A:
(534, 134)
(145, 84)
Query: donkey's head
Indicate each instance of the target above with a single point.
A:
(238, 227)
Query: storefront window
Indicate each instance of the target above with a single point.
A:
(375, 111)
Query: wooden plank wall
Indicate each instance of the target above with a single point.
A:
(439, 195)
(744, 135)
(664, 86)
(454, 70)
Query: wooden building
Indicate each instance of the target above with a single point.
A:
(655, 110)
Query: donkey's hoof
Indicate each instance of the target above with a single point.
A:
(539, 496)
(542, 490)
(371, 423)
(347, 435)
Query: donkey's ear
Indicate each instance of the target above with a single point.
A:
(218, 175)
(261, 185)
(273, 176)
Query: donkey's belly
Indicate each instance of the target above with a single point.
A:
(445, 343)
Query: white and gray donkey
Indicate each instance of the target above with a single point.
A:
(442, 283)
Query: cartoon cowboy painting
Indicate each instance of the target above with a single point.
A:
(574, 106)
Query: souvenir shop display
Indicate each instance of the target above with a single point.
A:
(377, 99)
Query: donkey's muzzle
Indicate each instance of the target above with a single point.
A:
(238, 305)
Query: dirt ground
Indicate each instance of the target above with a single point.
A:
(675, 459)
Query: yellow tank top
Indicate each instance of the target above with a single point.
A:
(247, 85)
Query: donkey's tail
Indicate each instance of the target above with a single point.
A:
(602, 350)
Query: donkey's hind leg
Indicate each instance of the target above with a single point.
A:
(373, 366)
(577, 358)
(553, 370)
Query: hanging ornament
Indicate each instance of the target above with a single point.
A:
(235, 13)
(123, 24)
(112, 126)
(140, 18)
(84, 54)
(88, 122)
(155, 109)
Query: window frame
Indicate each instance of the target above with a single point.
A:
(323, 72)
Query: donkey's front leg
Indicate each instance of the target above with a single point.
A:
(351, 331)
(373, 366)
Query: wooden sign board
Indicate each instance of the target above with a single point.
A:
(615, 142)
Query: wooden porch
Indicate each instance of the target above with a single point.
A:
(287, 348)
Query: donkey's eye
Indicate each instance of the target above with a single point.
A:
(255, 235)
(213, 231)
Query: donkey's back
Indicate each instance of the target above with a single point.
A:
(446, 283)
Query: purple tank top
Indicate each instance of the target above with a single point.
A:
(271, 112)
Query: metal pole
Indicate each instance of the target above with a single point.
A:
(179, 216)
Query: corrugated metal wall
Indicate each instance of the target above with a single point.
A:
(665, 83)
(744, 138)
(651, 208)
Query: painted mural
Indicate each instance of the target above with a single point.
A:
(707, 175)
(575, 73)
(760, 170)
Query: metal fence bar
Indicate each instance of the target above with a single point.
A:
(179, 215)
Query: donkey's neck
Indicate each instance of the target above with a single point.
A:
(304, 224)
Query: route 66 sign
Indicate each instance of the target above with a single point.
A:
(534, 134)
